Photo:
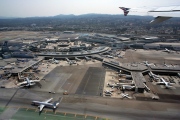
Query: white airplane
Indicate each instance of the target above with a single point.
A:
(13, 63)
(127, 83)
(125, 96)
(27, 83)
(54, 61)
(163, 82)
(46, 103)
(108, 91)
(127, 87)
(113, 85)
(166, 50)
(109, 56)
(167, 65)
(148, 64)
(50, 60)
(160, 13)
(156, 77)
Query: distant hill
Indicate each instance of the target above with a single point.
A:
(77, 21)
(2, 17)
(72, 15)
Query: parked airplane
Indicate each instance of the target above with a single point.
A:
(51, 60)
(22, 60)
(126, 83)
(27, 83)
(167, 65)
(178, 75)
(13, 63)
(109, 56)
(46, 103)
(120, 56)
(167, 50)
(54, 61)
(113, 85)
(127, 87)
(152, 74)
(148, 64)
(163, 82)
(87, 58)
(125, 96)
(161, 13)
(77, 59)
(70, 61)
(108, 91)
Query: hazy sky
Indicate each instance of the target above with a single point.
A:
(29, 8)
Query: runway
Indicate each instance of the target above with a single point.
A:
(114, 109)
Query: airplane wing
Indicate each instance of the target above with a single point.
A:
(22, 83)
(32, 81)
(159, 19)
(47, 101)
(160, 83)
(160, 13)
(41, 107)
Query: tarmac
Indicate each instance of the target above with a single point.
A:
(92, 82)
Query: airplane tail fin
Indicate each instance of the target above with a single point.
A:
(125, 10)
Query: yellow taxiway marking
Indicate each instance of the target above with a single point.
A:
(47, 110)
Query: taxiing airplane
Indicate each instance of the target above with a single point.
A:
(27, 83)
(160, 13)
(125, 96)
(46, 103)
(163, 82)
